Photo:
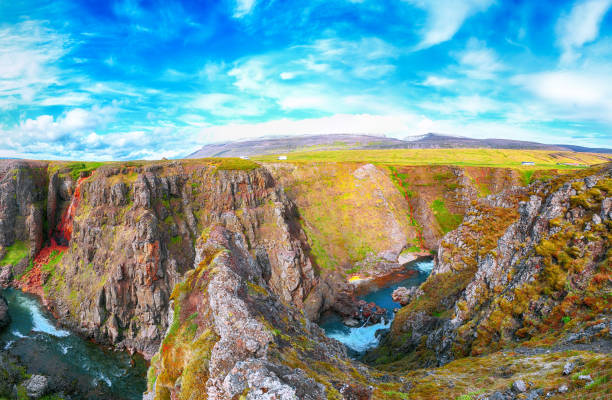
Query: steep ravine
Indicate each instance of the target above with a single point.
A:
(231, 339)
(216, 269)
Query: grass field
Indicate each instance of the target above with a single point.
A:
(462, 157)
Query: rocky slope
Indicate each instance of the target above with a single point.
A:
(217, 268)
(130, 240)
(530, 264)
(231, 338)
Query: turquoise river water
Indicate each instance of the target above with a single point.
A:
(360, 339)
(78, 367)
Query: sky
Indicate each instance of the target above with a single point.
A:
(129, 79)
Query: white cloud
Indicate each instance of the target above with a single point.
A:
(324, 68)
(445, 17)
(72, 123)
(580, 26)
(575, 95)
(437, 81)
(243, 7)
(478, 61)
(229, 105)
(28, 53)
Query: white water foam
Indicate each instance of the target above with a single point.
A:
(360, 339)
(424, 266)
(39, 322)
(17, 333)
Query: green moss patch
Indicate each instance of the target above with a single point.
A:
(15, 253)
(447, 220)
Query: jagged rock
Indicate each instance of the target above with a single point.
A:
(21, 199)
(568, 368)
(403, 295)
(496, 396)
(533, 395)
(493, 258)
(243, 357)
(585, 378)
(563, 388)
(6, 274)
(37, 386)
(5, 318)
(519, 386)
(132, 239)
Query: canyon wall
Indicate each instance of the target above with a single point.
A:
(117, 237)
(215, 269)
(132, 235)
(528, 265)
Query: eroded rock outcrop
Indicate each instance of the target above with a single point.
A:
(520, 267)
(231, 337)
(22, 197)
(132, 241)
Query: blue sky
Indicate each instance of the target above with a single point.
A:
(135, 79)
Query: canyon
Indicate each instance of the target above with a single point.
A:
(218, 270)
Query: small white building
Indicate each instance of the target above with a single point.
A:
(244, 157)
(528, 163)
(282, 157)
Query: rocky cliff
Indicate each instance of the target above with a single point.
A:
(217, 268)
(529, 265)
(120, 238)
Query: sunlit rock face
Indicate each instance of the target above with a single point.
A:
(226, 314)
(119, 238)
(521, 265)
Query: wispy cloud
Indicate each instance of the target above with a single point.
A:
(445, 17)
(478, 61)
(139, 79)
(580, 26)
(243, 7)
(437, 81)
(28, 54)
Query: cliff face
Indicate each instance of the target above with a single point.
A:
(217, 268)
(230, 336)
(22, 199)
(528, 265)
(130, 231)
(118, 237)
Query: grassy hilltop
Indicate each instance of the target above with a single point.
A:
(543, 159)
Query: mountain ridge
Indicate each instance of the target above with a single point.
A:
(317, 142)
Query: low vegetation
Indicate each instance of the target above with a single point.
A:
(543, 159)
(15, 253)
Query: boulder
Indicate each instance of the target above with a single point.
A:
(36, 386)
(568, 368)
(519, 386)
(402, 295)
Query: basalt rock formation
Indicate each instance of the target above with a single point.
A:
(121, 237)
(230, 336)
(216, 270)
(528, 265)
(132, 241)
(22, 196)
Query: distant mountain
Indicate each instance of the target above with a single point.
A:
(288, 144)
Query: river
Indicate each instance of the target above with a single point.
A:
(80, 368)
(360, 339)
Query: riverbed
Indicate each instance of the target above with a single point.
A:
(360, 339)
(76, 366)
